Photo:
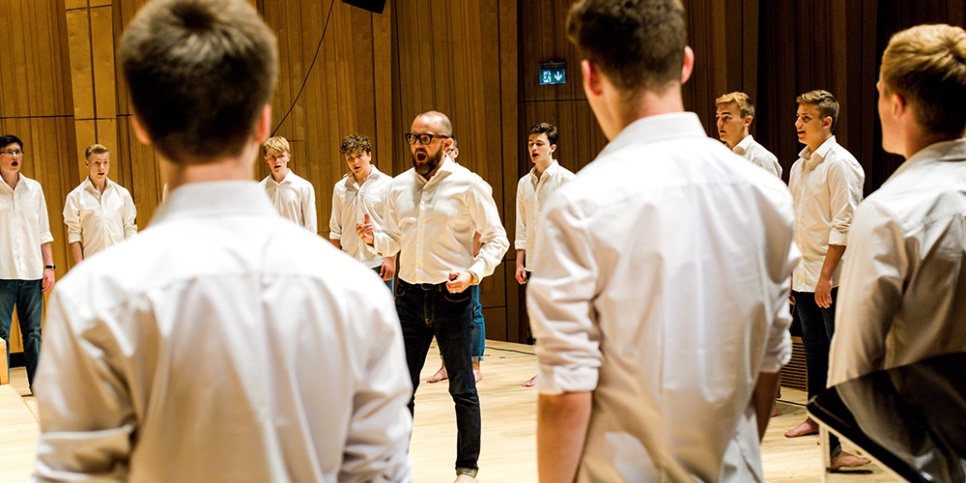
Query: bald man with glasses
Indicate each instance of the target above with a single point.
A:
(433, 210)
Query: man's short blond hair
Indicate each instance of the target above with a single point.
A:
(277, 143)
(926, 64)
(95, 149)
(827, 104)
(744, 103)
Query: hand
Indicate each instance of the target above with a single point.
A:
(458, 282)
(48, 281)
(364, 230)
(823, 293)
(521, 275)
(388, 269)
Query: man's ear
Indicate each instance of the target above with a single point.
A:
(139, 131)
(748, 120)
(263, 128)
(688, 65)
(593, 82)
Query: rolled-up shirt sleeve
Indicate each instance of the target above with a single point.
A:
(72, 220)
(520, 241)
(129, 215)
(560, 298)
(845, 189)
(493, 239)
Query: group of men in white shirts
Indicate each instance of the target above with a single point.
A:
(227, 343)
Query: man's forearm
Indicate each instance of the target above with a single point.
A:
(561, 430)
(832, 258)
(763, 398)
(76, 252)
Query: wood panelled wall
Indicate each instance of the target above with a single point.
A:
(344, 70)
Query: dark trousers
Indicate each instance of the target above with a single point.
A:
(28, 297)
(426, 311)
(818, 326)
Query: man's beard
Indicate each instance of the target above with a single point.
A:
(431, 163)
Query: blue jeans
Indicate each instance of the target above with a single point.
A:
(478, 336)
(378, 271)
(28, 297)
(426, 311)
(818, 325)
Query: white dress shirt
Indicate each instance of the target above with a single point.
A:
(350, 203)
(827, 187)
(532, 192)
(223, 343)
(903, 294)
(660, 283)
(23, 229)
(753, 151)
(431, 224)
(99, 220)
(294, 198)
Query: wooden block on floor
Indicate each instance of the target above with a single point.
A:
(4, 370)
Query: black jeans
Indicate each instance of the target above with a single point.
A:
(426, 311)
(818, 326)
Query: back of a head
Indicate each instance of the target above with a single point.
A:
(200, 73)
(638, 44)
(926, 64)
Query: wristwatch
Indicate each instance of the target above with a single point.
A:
(52, 267)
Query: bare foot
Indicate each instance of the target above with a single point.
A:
(465, 479)
(774, 408)
(439, 376)
(806, 428)
(477, 373)
(847, 460)
(530, 382)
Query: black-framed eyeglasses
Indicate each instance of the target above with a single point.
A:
(12, 152)
(424, 139)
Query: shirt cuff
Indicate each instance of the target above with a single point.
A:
(838, 238)
(554, 380)
(73, 238)
(520, 245)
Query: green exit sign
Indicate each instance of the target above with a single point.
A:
(552, 73)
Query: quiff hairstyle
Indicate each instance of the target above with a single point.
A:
(277, 144)
(545, 128)
(926, 64)
(637, 44)
(745, 106)
(200, 72)
(828, 105)
(95, 149)
(354, 143)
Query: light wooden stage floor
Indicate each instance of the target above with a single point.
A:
(509, 429)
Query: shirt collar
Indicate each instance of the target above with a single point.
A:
(89, 185)
(284, 180)
(350, 181)
(20, 178)
(213, 199)
(813, 159)
(659, 128)
(954, 150)
(446, 168)
(551, 169)
(742, 147)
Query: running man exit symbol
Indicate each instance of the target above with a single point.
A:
(552, 73)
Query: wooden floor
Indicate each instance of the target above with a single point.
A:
(509, 428)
